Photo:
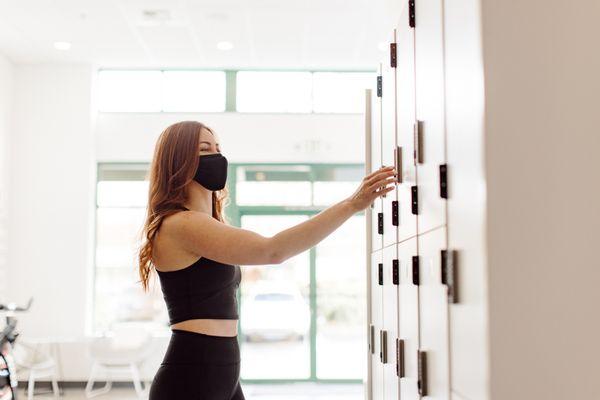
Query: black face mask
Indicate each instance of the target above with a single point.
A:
(212, 171)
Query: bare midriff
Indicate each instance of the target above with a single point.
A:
(213, 327)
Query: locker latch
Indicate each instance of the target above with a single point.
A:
(380, 223)
(383, 347)
(395, 212)
(395, 273)
(398, 163)
(379, 86)
(418, 142)
(414, 199)
(380, 273)
(415, 270)
(422, 382)
(393, 55)
(449, 274)
(443, 181)
(372, 339)
(411, 13)
(400, 358)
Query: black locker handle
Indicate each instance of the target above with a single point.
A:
(398, 163)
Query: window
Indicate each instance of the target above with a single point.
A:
(341, 92)
(161, 91)
(303, 92)
(266, 91)
(121, 198)
(254, 91)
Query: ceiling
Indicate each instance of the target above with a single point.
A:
(266, 34)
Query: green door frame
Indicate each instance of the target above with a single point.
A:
(235, 212)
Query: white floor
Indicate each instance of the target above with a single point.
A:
(298, 391)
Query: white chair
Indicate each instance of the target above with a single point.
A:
(121, 353)
(38, 362)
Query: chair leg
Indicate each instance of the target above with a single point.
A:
(135, 372)
(55, 389)
(31, 384)
(89, 393)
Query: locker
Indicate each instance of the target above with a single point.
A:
(433, 315)
(408, 319)
(405, 94)
(390, 323)
(376, 304)
(429, 129)
(388, 139)
(375, 151)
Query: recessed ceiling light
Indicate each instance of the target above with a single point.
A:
(383, 46)
(62, 45)
(224, 45)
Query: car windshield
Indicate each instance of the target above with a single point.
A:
(273, 297)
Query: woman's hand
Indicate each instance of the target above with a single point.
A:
(373, 186)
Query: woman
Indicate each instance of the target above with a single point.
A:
(196, 256)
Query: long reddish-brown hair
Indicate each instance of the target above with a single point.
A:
(173, 167)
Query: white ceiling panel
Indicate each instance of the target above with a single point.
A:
(286, 34)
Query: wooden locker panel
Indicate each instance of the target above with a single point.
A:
(430, 137)
(376, 120)
(467, 199)
(390, 323)
(376, 304)
(388, 140)
(408, 319)
(433, 314)
(405, 108)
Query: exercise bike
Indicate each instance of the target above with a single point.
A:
(8, 336)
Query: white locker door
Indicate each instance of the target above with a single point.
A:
(377, 213)
(408, 320)
(429, 63)
(390, 323)
(376, 303)
(433, 315)
(405, 72)
(388, 140)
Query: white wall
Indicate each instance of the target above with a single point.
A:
(244, 137)
(51, 197)
(6, 97)
(542, 167)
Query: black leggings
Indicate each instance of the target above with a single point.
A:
(197, 366)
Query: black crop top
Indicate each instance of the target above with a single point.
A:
(205, 289)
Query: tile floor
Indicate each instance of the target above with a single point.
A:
(298, 391)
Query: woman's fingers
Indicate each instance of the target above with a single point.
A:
(372, 174)
(381, 182)
(379, 176)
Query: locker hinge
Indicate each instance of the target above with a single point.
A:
(383, 347)
(400, 358)
(380, 223)
(372, 339)
(393, 55)
(379, 86)
(443, 181)
(411, 13)
(415, 270)
(380, 273)
(422, 382)
(395, 273)
(398, 163)
(418, 142)
(449, 274)
(414, 199)
(395, 212)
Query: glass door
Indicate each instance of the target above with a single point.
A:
(275, 309)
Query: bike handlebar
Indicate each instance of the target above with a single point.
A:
(14, 307)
